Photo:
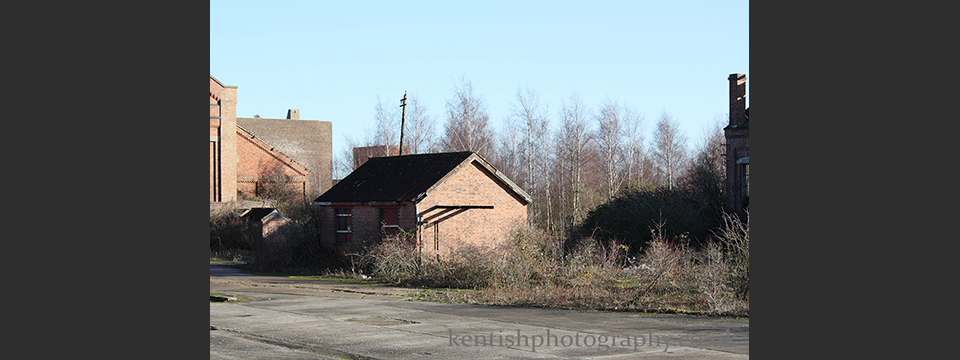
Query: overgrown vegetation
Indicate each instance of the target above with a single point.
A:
(533, 270)
(300, 251)
(651, 248)
(628, 218)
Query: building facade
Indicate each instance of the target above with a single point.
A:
(437, 201)
(737, 136)
(249, 154)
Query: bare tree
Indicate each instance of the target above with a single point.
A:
(636, 163)
(573, 141)
(343, 162)
(706, 174)
(610, 145)
(507, 156)
(466, 127)
(420, 133)
(669, 151)
(387, 126)
(524, 150)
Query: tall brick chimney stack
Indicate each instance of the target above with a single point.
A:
(738, 98)
(293, 114)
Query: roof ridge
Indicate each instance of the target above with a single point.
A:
(425, 155)
(272, 148)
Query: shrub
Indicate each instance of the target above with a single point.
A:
(300, 251)
(631, 216)
(735, 239)
(227, 232)
(392, 260)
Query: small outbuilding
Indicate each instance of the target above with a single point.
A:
(265, 224)
(437, 201)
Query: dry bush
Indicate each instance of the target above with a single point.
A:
(466, 267)
(528, 258)
(735, 238)
(524, 271)
(394, 261)
(299, 252)
(398, 261)
(710, 273)
(228, 233)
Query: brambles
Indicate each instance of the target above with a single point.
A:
(669, 276)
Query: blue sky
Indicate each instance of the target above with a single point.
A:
(332, 59)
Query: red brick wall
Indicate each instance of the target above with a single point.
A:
(737, 135)
(254, 161)
(738, 146)
(270, 229)
(223, 152)
(327, 227)
(472, 185)
(308, 142)
(223, 144)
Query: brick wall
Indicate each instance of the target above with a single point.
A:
(223, 144)
(270, 230)
(472, 185)
(255, 160)
(308, 142)
(737, 136)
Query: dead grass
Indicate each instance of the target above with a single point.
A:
(668, 277)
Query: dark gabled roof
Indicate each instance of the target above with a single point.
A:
(394, 178)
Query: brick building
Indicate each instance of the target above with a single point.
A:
(248, 153)
(363, 153)
(737, 136)
(266, 224)
(437, 200)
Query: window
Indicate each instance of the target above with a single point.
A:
(390, 223)
(344, 224)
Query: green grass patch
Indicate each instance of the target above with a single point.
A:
(238, 298)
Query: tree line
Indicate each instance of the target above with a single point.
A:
(589, 158)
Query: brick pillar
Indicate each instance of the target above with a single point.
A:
(228, 143)
(738, 97)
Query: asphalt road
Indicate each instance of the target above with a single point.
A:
(308, 319)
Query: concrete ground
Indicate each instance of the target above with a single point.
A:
(309, 319)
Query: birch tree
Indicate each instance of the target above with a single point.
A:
(386, 126)
(573, 141)
(669, 151)
(420, 128)
(635, 156)
(610, 146)
(466, 125)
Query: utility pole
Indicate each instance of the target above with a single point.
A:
(403, 118)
